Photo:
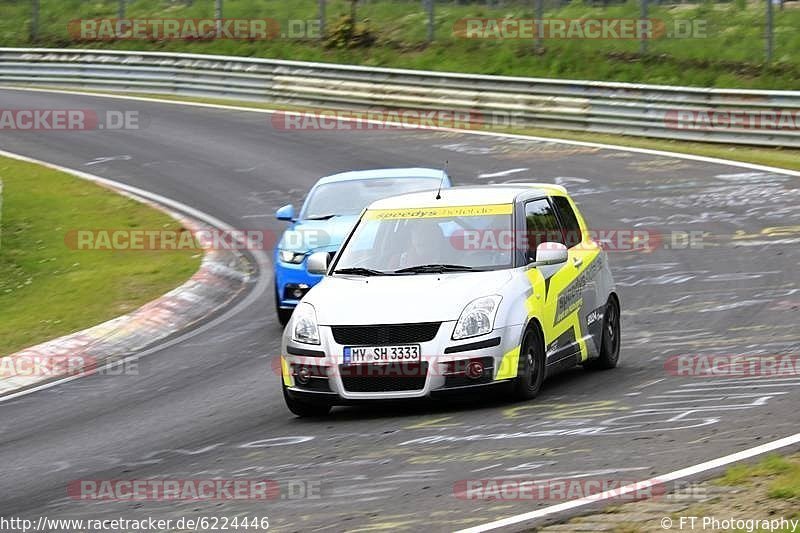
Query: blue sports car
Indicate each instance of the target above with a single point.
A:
(328, 213)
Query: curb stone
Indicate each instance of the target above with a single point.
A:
(222, 275)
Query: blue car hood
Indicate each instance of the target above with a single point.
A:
(312, 235)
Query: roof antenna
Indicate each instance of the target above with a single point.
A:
(444, 175)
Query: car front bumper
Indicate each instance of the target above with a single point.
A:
(319, 371)
(291, 277)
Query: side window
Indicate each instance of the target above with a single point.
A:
(541, 225)
(573, 236)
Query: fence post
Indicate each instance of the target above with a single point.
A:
(539, 20)
(644, 37)
(429, 8)
(34, 20)
(218, 16)
(769, 31)
(121, 10)
(321, 16)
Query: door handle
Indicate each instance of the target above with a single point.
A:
(577, 261)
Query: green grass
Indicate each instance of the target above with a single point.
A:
(781, 473)
(731, 54)
(48, 289)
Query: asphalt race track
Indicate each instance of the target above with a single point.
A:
(211, 407)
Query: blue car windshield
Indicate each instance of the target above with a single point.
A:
(351, 196)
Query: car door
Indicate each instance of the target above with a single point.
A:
(562, 298)
(585, 263)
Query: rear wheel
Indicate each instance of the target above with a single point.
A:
(531, 367)
(305, 409)
(609, 346)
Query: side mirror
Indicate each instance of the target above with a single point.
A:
(551, 253)
(317, 263)
(285, 213)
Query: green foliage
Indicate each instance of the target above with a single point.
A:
(350, 33)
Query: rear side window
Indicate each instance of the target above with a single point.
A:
(573, 236)
(541, 225)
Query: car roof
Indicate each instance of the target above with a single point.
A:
(382, 173)
(469, 195)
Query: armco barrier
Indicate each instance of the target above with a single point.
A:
(765, 118)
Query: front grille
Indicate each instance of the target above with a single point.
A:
(384, 378)
(385, 334)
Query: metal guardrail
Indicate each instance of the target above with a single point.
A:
(765, 118)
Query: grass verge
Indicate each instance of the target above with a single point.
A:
(746, 495)
(48, 289)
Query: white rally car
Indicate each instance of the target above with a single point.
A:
(452, 291)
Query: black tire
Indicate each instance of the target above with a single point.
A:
(305, 409)
(531, 366)
(283, 314)
(609, 345)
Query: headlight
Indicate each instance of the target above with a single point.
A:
(287, 256)
(304, 324)
(477, 318)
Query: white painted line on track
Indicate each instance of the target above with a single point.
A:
(664, 153)
(615, 493)
(262, 282)
(503, 173)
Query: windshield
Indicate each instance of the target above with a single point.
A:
(350, 197)
(422, 240)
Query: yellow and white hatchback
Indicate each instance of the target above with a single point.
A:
(452, 291)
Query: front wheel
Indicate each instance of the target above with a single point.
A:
(305, 409)
(531, 367)
(609, 345)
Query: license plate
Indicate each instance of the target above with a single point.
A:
(382, 354)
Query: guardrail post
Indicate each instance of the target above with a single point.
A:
(34, 20)
(768, 31)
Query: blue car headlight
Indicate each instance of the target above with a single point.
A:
(288, 256)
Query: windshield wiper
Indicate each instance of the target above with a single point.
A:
(359, 271)
(437, 268)
(322, 217)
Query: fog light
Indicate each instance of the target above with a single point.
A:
(295, 291)
(475, 369)
(302, 376)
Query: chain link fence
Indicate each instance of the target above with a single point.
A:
(738, 35)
